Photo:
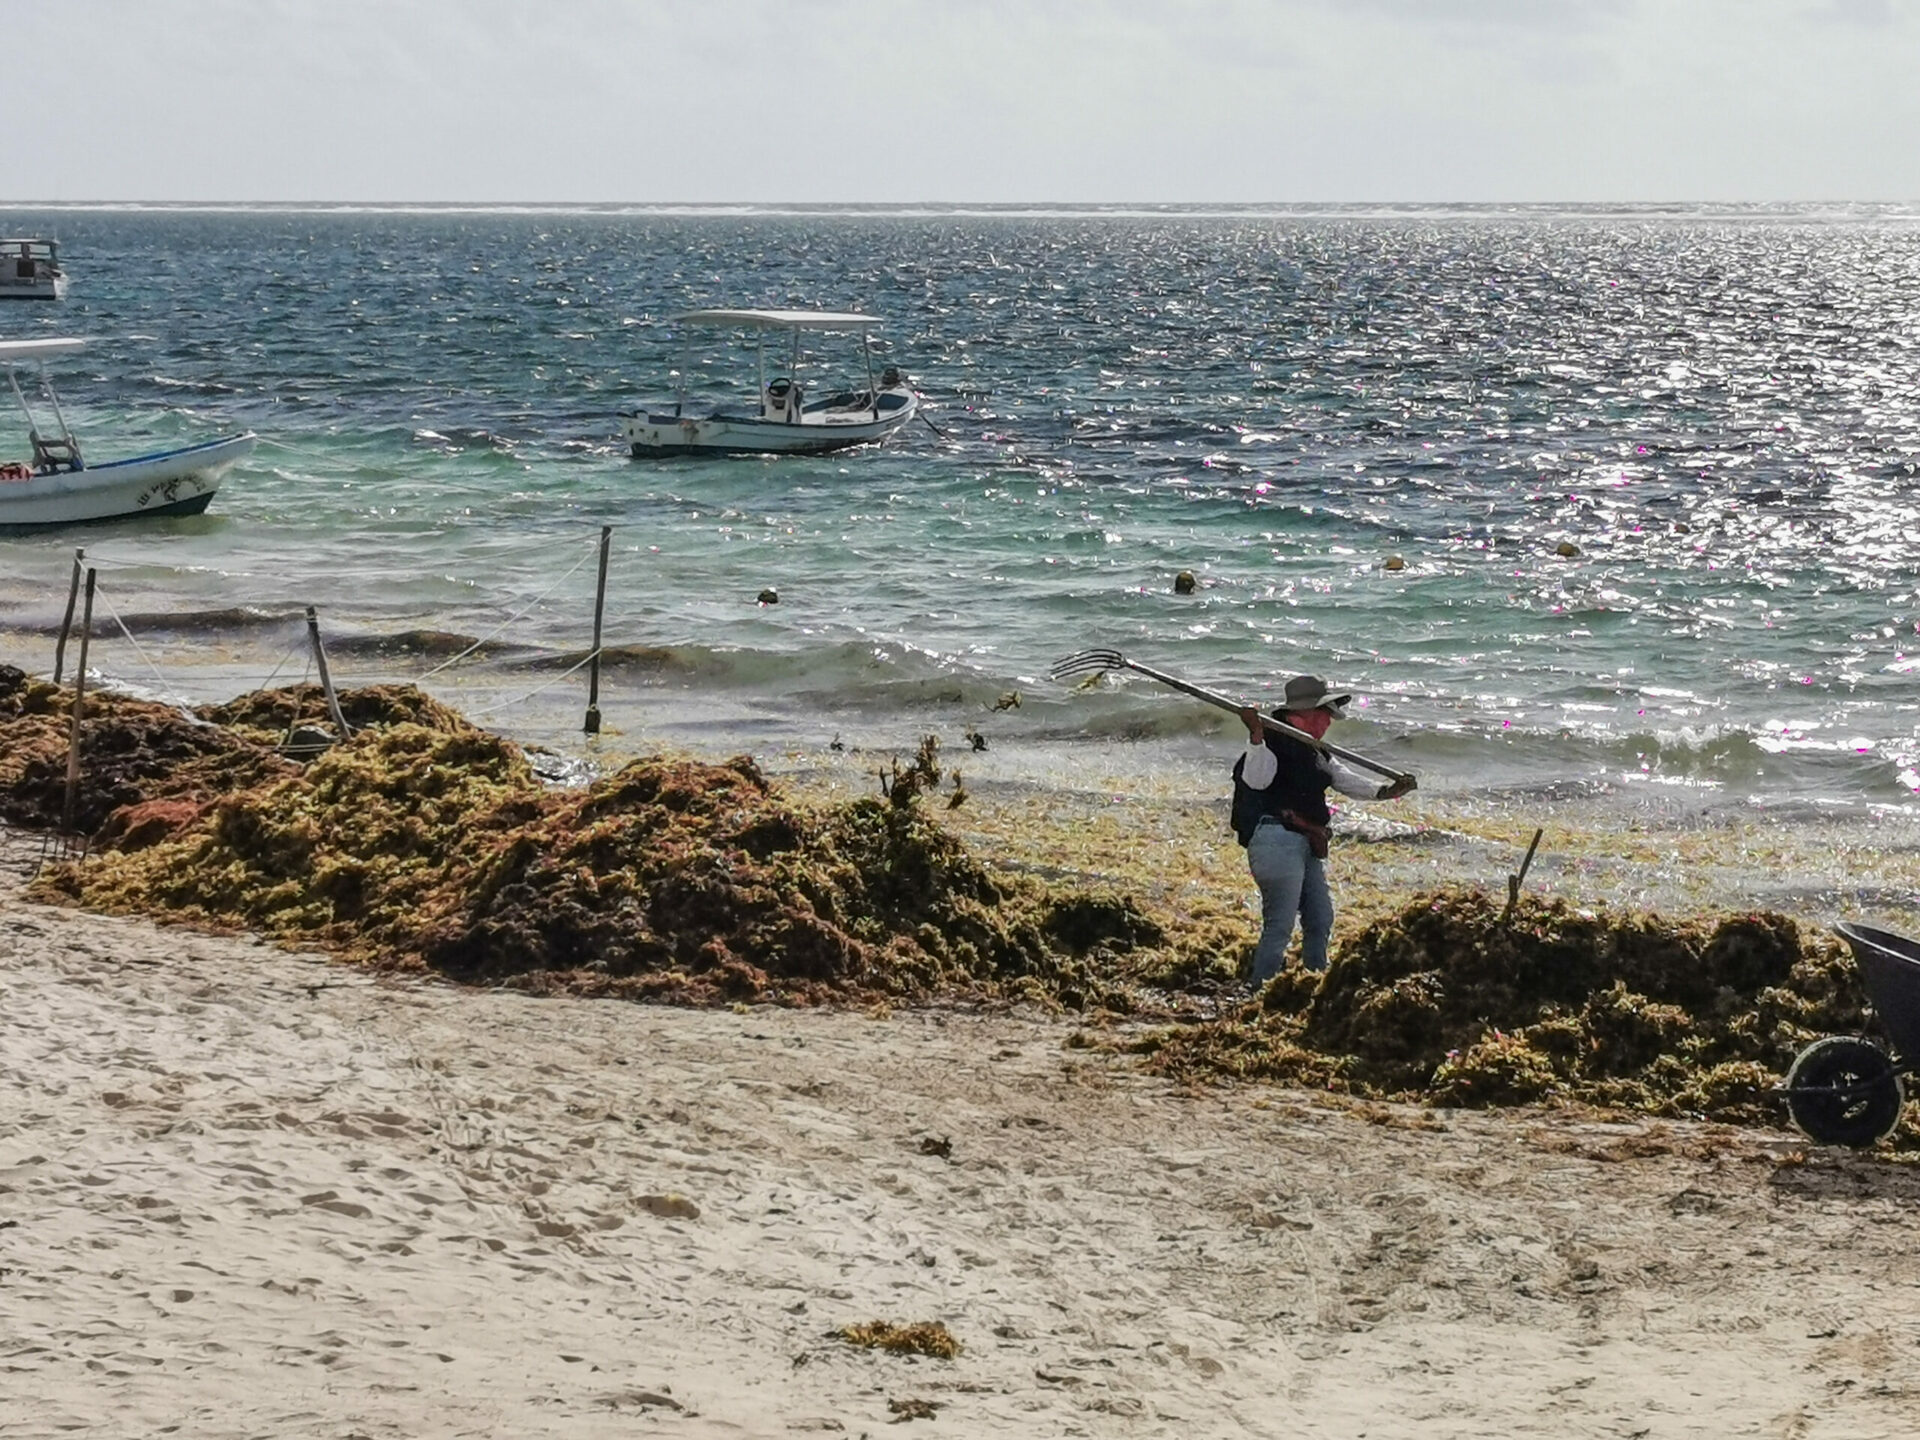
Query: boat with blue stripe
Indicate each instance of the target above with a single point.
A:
(59, 486)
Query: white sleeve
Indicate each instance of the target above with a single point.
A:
(1258, 767)
(1350, 782)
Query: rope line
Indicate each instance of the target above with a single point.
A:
(570, 670)
(515, 618)
(292, 651)
(301, 647)
(299, 696)
(97, 561)
(181, 705)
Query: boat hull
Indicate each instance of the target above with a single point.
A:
(43, 287)
(174, 482)
(818, 433)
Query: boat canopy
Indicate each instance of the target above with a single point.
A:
(17, 350)
(778, 319)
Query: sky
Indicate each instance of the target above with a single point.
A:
(963, 101)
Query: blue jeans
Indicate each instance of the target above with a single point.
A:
(1292, 883)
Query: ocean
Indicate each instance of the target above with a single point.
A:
(1610, 502)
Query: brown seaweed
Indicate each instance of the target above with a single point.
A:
(132, 752)
(265, 716)
(926, 1337)
(420, 840)
(1448, 1001)
(669, 880)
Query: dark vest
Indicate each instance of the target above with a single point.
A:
(1300, 787)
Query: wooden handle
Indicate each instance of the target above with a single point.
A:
(1212, 697)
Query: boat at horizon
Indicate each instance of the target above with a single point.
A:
(30, 270)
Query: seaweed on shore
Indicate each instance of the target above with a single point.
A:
(669, 880)
(133, 752)
(422, 841)
(351, 853)
(148, 768)
(1449, 1002)
(265, 716)
(924, 1337)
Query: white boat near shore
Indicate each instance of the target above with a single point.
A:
(30, 270)
(785, 421)
(58, 486)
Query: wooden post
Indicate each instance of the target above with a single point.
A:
(326, 680)
(69, 811)
(1514, 882)
(599, 608)
(66, 623)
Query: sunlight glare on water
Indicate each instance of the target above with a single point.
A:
(1651, 473)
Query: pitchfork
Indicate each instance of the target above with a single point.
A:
(1089, 662)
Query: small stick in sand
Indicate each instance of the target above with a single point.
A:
(326, 680)
(1514, 882)
(592, 723)
(70, 809)
(66, 621)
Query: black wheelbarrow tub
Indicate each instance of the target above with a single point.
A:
(1890, 965)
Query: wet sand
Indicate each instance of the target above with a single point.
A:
(246, 1192)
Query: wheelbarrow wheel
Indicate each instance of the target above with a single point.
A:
(1844, 1091)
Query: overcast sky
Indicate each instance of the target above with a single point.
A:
(962, 100)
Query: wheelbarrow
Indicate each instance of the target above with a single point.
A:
(1845, 1090)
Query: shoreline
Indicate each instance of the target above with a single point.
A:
(1151, 813)
(258, 1190)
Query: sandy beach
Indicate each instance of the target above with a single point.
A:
(624, 804)
(247, 1192)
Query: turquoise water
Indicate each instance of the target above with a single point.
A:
(1717, 411)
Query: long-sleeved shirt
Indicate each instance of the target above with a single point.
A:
(1261, 765)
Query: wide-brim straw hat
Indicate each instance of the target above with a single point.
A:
(1309, 692)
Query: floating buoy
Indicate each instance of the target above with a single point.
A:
(1393, 562)
(1566, 549)
(1183, 583)
(769, 596)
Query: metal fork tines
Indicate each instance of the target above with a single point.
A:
(1084, 661)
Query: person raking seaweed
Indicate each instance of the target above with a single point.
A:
(1279, 798)
(1280, 814)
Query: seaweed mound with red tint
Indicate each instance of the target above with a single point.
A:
(131, 752)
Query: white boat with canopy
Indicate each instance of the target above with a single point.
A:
(30, 270)
(784, 421)
(58, 486)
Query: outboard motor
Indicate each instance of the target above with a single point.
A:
(782, 401)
